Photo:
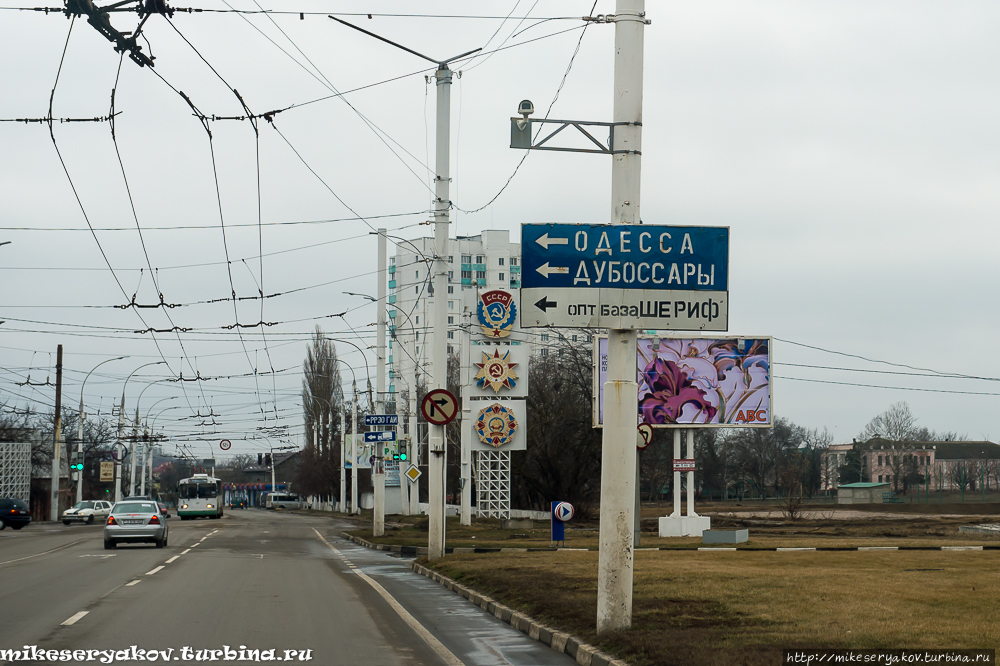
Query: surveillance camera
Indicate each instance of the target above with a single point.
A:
(526, 108)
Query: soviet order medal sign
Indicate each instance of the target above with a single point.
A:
(497, 312)
(496, 425)
(496, 372)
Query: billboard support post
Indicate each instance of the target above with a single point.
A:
(690, 474)
(677, 476)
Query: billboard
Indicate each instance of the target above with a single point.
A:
(721, 382)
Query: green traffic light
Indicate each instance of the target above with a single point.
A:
(402, 456)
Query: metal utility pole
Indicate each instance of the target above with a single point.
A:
(79, 425)
(414, 444)
(56, 436)
(135, 452)
(378, 471)
(118, 450)
(618, 457)
(439, 350)
(343, 459)
(354, 452)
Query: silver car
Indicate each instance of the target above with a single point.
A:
(135, 521)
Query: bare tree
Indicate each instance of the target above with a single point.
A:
(322, 402)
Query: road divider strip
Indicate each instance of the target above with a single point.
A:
(432, 642)
(135, 582)
(185, 552)
(560, 641)
(418, 551)
(150, 573)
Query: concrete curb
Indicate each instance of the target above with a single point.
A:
(414, 550)
(584, 654)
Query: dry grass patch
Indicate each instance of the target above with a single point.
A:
(743, 608)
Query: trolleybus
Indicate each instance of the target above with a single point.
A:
(200, 495)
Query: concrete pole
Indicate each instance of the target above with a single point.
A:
(466, 513)
(79, 445)
(690, 474)
(439, 359)
(56, 444)
(135, 452)
(404, 445)
(378, 474)
(118, 446)
(142, 470)
(343, 459)
(354, 452)
(414, 487)
(677, 476)
(615, 561)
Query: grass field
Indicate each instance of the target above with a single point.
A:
(743, 608)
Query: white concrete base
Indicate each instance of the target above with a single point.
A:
(681, 526)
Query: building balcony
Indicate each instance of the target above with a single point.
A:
(392, 284)
(392, 269)
(466, 280)
(479, 267)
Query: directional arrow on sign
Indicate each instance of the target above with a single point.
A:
(547, 270)
(544, 304)
(545, 241)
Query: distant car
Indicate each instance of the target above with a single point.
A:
(14, 512)
(133, 521)
(87, 512)
(163, 509)
(237, 504)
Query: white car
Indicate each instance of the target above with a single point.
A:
(87, 512)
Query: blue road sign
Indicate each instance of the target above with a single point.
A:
(560, 513)
(382, 436)
(381, 419)
(625, 276)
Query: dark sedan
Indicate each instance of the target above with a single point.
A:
(14, 512)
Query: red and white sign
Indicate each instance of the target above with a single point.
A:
(563, 512)
(225, 444)
(683, 464)
(645, 436)
(439, 407)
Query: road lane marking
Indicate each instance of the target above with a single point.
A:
(185, 552)
(74, 619)
(28, 557)
(172, 559)
(150, 573)
(194, 545)
(135, 582)
(429, 638)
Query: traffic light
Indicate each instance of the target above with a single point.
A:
(395, 456)
(76, 462)
(402, 456)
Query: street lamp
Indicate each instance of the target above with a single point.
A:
(80, 418)
(121, 423)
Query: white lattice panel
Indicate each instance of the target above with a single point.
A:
(15, 469)
(493, 484)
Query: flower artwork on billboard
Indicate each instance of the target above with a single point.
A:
(698, 381)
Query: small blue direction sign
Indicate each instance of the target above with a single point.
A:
(625, 276)
(381, 419)
(381, 436)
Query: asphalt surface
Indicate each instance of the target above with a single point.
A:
(254, 580)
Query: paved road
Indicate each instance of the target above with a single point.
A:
(254, 580)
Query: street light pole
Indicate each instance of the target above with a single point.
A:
(121, 423)
(618, 451)
(79, 426)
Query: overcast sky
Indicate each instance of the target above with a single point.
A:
(851, 147)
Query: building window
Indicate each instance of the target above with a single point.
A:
(513, 261)
(451, 320)
(573, 338)
(451, 259)
(880, 463)
(451, 335)
(417, 333)
(466, 258)
(451, 305)
(479, 258)
(416, 290)
(466, 275)
(418, 319)
(501, 276)
(451, 275)
(880, 478)
(451, 289)
(451, 350)
(545, 352)
(416, 275)
(500, 260)
(480, 275)
(545, 337)
(418, 351)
